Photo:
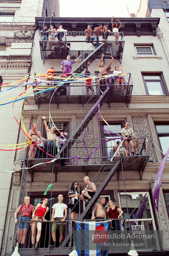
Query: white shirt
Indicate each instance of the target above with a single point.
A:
(59, 209)
(115, 30)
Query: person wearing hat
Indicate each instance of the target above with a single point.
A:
(38, 215)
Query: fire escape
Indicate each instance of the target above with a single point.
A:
(134, 163)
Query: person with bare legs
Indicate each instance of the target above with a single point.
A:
(38, 215)
(115, 29)
(59, 213)
(73, 195)
(25, 211)
(98, 212)
(88, 80)
(128, 135)
(104, 71)
(32, 134)
(118, 75)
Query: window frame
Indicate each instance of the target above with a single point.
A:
(145, 45)
(162, 83)
(7, 14)
(167, 205)
(163, 134)
(105, 156)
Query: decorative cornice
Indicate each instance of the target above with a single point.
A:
(146, 99)
(15, 64)
(107, 112)
(16, 25)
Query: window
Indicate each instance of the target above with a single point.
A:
(110, 132)
(154, 84)
(5, 17)
(166, 196)
(144, 50)
(167, 15)
(163, 135)
(2, 49)
(137, 205)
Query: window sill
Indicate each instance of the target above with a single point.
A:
(147, 57)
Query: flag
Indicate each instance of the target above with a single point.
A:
(139, 213)
(158, 180)
(90, 237)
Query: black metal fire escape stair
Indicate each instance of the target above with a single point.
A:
(94, 198)
(83, 124)
(90, 57)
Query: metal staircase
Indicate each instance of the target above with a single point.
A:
(90, 57)
(83, 124)
(94, 198)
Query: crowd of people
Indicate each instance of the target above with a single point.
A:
(55, 139)
(92, 35)
(52, 33)
(26, 215)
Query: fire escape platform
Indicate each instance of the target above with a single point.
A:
(128, 163)
(117, 93)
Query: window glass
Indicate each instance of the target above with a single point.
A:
(154, 88)
(108, 146)
(162, 129)
(163, 135)
(154, 84)
(146, 50)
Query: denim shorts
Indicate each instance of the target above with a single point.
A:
(23, 225)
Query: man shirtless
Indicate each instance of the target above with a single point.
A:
(98, 211)
(88, 32)
(104, 71)
(89, 190)
(97, 32)
(51, 137)
(33, 137)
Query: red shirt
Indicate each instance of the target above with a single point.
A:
(26, 211)
(113, 213)
(40, 211)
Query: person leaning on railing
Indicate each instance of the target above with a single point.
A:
(89, 33)
(128, 135)
(25, 211)
(38, 215)
(114, 213)
(59, 213)
(51, 137)
(44, 33)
